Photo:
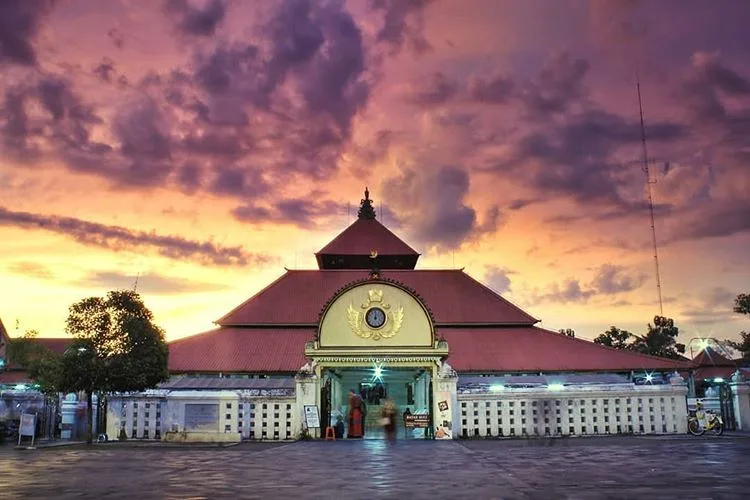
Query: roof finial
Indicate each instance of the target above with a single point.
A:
(366, 210)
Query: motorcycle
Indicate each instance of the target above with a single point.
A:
(704, 421)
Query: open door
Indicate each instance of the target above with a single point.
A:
(325, 405)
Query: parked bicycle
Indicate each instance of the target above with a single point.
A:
(703, 421)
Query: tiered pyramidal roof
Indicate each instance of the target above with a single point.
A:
(486, 333)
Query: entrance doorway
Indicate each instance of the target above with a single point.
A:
(410, 389)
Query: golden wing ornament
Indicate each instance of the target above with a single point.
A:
(355, 322)
(396, 318)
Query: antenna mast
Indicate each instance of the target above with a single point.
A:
(135, 284)
(650, 199)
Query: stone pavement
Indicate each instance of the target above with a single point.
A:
(578, 468)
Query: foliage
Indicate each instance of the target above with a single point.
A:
(614, 337)
(742, 306)
(118, 347)
(661, 340)
(42, 365)
(569, 332)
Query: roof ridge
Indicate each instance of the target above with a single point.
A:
(493, 292)
(252, 297)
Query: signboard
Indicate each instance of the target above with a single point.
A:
(444, 418)
(202, 417)
(27, 427)
(312, 417)
(416, 421)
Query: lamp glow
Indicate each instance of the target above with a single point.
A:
(377, 372)
(555, 387)
(719, 380)
(497, 387)
(649, 377)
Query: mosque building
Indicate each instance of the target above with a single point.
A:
(456, 358)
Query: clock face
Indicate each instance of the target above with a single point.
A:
(375, 317)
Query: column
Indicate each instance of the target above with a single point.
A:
(446, 413)
(306, 393)
(741, 400)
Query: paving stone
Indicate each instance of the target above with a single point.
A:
(593, 468)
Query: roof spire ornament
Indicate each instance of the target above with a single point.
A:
(366, 210)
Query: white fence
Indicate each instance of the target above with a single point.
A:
(574, 411)
(253, 418)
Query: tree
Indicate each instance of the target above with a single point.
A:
(614, 337)
(661, 340)
(742, 306)
(118, 348)
(568, 332)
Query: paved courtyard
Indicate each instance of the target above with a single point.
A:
(618, 467)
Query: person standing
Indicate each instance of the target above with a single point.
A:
(356, 415)
(388, 415)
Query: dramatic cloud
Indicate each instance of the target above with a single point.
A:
(498, 279)
(713, 305)
(192, 20)
(30, 270)
(609, 280)
(20, 21)
(442, 218)
(119, 239)
(146, 284)
(305, 213)
(402, 24)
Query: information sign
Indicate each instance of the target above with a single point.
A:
(417, 421)
(27, 427)
(312, 417)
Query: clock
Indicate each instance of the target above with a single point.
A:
(375, 317)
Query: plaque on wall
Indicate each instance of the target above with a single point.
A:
(201, 417)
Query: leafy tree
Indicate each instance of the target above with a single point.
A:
(661, 340)
(117, 349)
(742, 306)
(614, 337)
(568, 332)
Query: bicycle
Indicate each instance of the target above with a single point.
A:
(703, 421)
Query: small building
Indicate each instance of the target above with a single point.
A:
(437, 342)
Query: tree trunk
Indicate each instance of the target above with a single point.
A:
(90, 416)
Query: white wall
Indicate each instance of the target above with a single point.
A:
(575, 411)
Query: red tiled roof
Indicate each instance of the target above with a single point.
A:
(709, 357)
(531, 349)
(298, 297)
(365, 235)
(510, 349)
(11, 377)
(241, 350)
(711, 372)
(55, 344)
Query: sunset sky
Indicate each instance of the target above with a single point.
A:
(204, 145)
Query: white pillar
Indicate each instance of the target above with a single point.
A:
(307, 390)
(446, 414)
(741, 400)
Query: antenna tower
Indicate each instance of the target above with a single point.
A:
(650, 199)
(135, 285)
